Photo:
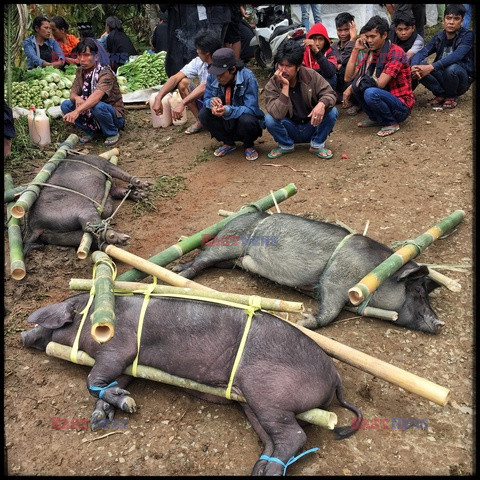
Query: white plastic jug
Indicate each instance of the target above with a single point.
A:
(39, 126)
(165, 119)
(174, 101)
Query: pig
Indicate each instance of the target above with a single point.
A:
(282, 371)
(294, 251)
(60, 217)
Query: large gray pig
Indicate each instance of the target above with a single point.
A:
(295, 251)
(282, 371)
(60, 217)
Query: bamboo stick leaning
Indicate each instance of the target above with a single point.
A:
(191, 243)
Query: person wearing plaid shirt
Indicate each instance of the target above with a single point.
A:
(382, 80)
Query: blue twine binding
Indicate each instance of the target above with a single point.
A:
(92, 388)
(289, 462)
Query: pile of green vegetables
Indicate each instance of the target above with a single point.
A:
(147, 70)
(42, 87)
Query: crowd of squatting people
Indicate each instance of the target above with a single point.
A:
(374, 70)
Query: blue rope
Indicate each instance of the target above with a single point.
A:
(289, 462)
(92, 388)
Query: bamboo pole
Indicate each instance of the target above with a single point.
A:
(15, 241)
(87, 238)
(175, 251)
(315, 416)
(378, 368)
(28, 197)
(103, 316)
(152, 269)
(388, 267)
(10, 194)
(135, 287)
(442, 279)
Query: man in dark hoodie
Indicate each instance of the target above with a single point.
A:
(452, 71)
(319, 55)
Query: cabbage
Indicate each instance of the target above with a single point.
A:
(52, 86)
(44, 94)
(60, 85)
(48, 103)
(49, 78)
(43, 83)
(56, 77)
(56, 100)
(123, 89)
(67, 82)
(66, 94)
(121, 80)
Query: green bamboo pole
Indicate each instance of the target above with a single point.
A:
(129, 287)
(191, 243)
(10, 194)
(103, 316)
(15, 241)
(87, 238)
(388, 267)
(315, 416)
(28, 197)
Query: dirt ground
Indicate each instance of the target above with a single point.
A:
(402, 185)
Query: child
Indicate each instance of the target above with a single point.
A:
(403, 33)
(318, 54)
(347, 34)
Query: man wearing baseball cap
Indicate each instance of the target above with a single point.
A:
(231, 111)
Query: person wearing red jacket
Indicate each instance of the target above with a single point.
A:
(319, 55)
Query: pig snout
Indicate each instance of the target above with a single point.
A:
(114, 238)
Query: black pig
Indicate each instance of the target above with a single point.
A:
(294, 251)
(282, 371)
(60, 217)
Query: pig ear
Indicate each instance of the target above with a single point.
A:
(53, 316)
(431, 285)
(412, 272)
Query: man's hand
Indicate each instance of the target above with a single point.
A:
(317, 114)
(177, 112)
(353, 31)
(284, 81)
(308, 42)
(420, 71)
(71, 117)
(157, 106)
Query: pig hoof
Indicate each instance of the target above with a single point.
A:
(129, 405)
(308, 321)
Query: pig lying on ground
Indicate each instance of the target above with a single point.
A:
(60, 217)
(282, 371)
(294, 251)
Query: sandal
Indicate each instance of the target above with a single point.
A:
(367, 123)
(450, 103)
(324, 153)
(88, 137)
(195, 128)
(278, 152)
(436, 102)
(251, 154)
(112, 140)
(353, 110)
(223, 150)
(386, 131)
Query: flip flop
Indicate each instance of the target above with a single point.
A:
(450, 103)
(194, 129)
(353, 110)
(324, 153)
(386, 131)
(436, 102)
(223, 150)
(367, 123)
(112, 140)
(278, 152)
(88, 137)
(251, 154)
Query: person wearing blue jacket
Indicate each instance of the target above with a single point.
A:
(40, 48)
(452, 71)
(231, 111)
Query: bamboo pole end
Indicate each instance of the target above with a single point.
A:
(18, 211)
(17, 270)
(355, 295)
(81, 255)
(102, 332)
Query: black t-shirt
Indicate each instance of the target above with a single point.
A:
(45, 53)
(300, 111)
(160, 38)
(120, 47)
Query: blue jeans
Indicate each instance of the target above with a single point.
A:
(382, 106)
(286, 133)
(448, 83)
(104, 114)
(316, 10)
